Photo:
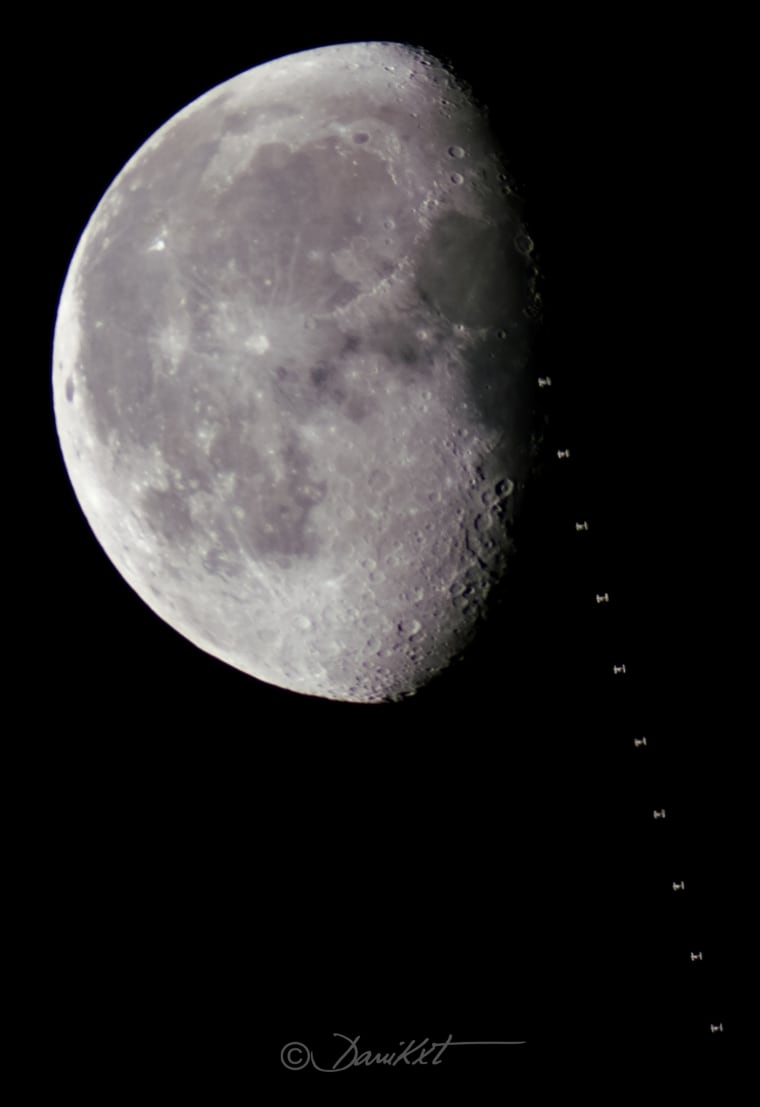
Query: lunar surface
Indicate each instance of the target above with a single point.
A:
(291, 370)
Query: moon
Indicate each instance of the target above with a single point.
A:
(291, 370)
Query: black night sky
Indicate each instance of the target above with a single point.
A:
(232, 867)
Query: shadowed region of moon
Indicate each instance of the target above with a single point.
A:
(291, 370)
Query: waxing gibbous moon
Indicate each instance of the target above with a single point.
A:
(291, 370)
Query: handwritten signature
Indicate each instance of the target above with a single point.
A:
(296, 1055)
